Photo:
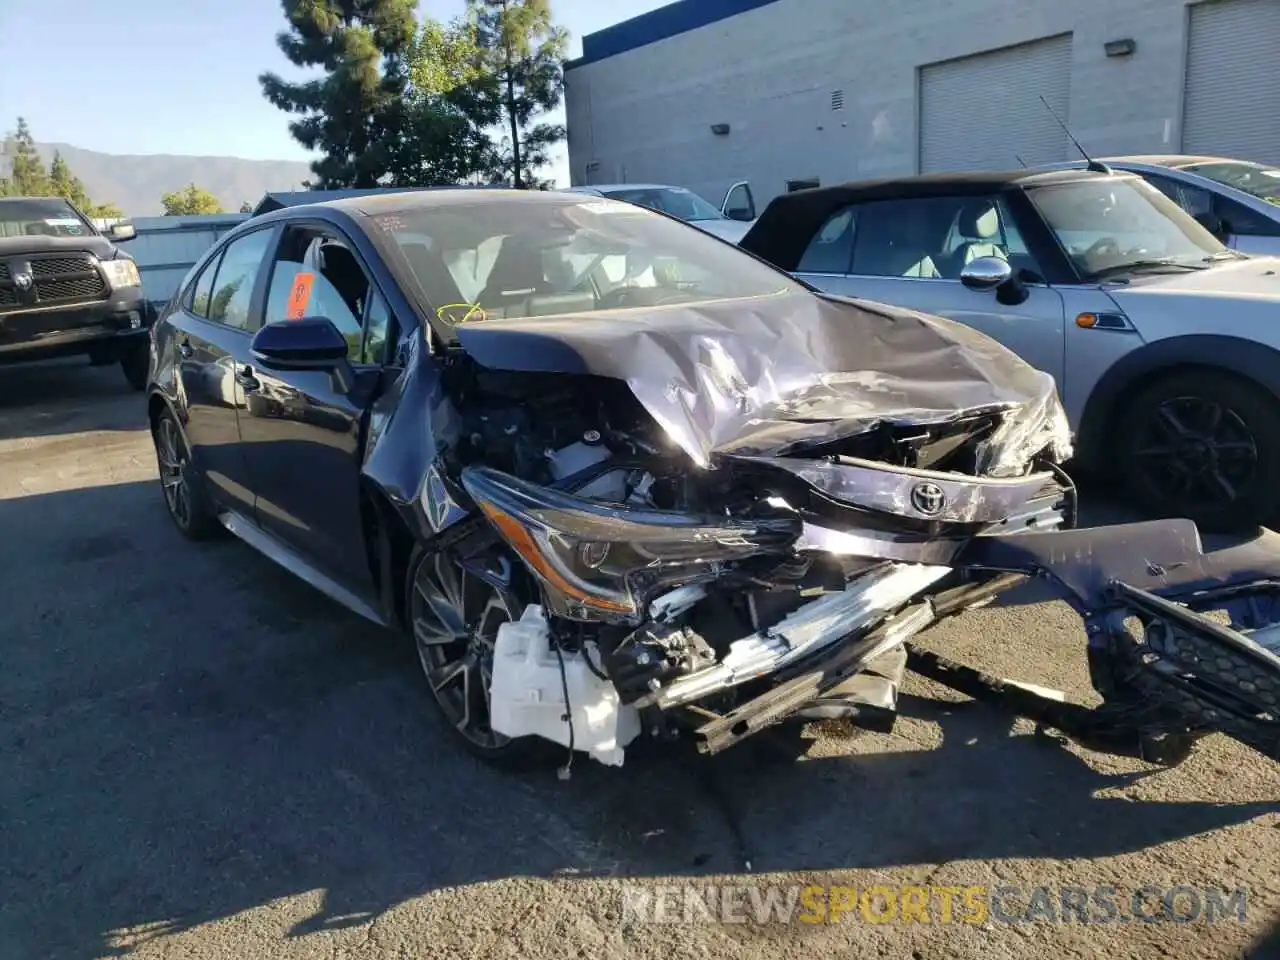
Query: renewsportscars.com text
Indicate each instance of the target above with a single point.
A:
(885, 904)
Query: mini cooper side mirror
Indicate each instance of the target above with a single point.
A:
(986, 273)
(994, 273)
(311, 343)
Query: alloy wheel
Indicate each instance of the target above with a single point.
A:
(171, 453)
(455, 615)
(1196, 449)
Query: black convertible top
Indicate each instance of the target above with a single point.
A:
(788, 223)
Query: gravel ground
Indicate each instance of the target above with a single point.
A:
(201, 757)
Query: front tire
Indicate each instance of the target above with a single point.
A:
(453, 616)
(182, 484)
(1205, 446)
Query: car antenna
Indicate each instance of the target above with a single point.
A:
(1095, 165)
(1022, 163)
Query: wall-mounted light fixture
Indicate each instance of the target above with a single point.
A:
(720, 129)
(1120, 48)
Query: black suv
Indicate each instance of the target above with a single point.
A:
(67, 290)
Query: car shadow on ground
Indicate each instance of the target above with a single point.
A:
(188, 732)
(62, 397)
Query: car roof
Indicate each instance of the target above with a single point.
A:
(405, 201)
(602, 187)
(783, 230)
(1174, 160)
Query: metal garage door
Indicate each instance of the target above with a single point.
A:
(983, 112)
(1233, 80)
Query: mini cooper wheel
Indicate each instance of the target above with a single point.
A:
(1205, 446)
(454, 615)
(182, 484)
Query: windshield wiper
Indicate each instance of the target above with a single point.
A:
(1224, 255)
(1139, 266)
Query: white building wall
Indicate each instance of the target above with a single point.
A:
(646, 114)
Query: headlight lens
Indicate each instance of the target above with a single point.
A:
(602, 561)
(121, 273)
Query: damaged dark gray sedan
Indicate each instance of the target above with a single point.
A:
(618, 478)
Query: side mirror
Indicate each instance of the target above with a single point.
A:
(312, 343)
(994, 273)
(1211, 222)
(986, 273)
(121, 232)
(741, 214)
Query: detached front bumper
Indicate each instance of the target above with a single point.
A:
(1181, 642)
(107, 328)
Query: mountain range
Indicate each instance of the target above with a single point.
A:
(135, 184)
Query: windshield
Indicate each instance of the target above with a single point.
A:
(1254, 178)
(555, 257)
(41, 217)
(1107, 225)
(675, 201)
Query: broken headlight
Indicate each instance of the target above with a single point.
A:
(601, 561)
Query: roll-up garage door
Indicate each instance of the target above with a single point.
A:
(1232, 105)
(983, 112)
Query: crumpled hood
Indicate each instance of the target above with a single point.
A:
(100, 247)
(769, 376)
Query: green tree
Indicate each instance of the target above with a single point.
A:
(27, 175)
(65, 184)
(353, 114)
(190, 201)
(440, 141)
(521, 78)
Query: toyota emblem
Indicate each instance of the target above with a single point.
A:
(928, 499)
(22, 281)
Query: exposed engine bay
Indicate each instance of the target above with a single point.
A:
(706, 542)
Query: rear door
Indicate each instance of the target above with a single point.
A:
(211, 335)
(302, 433)
(910, 253)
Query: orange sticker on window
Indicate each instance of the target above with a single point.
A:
(299, 296)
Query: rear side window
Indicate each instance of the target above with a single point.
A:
(831, 249)
(201, 291)
(237, 274)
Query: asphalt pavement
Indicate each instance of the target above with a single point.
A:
(202, 757)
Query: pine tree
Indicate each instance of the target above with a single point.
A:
(27, 175)
(521, 78)
(65, 184)
(353, 113)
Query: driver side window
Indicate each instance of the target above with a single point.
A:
(315, 274)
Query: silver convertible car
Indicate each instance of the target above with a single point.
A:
(1165, 343)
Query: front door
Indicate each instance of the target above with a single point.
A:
(211, 335)
(911, 253)
(302, 432)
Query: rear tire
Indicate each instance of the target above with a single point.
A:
(136, 364)
(1202, 445)
(181, 483)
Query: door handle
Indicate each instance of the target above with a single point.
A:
(184, 349)
(247, 380)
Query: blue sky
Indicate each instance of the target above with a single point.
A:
(177, 76)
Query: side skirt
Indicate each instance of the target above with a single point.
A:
(273, 549)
